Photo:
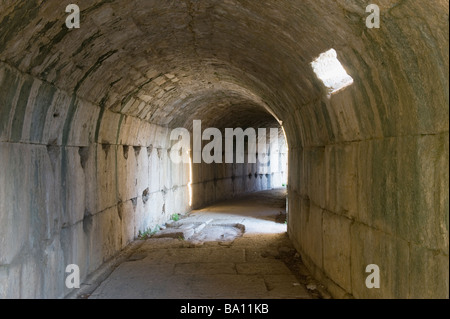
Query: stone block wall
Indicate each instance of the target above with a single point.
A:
(373, 196)
(78, 184)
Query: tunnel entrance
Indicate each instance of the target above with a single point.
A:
(243, 150)
(244, 164)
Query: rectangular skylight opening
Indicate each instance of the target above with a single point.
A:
(331, 72)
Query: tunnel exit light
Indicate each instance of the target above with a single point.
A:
(331, 72)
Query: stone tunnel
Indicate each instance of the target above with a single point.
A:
(86, 115)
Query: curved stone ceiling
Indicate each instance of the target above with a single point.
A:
(146, 58)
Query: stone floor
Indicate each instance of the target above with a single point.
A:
(236, 249)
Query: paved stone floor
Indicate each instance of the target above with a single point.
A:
(213, 263)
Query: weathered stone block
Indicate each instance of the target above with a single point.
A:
(109, 127)
(10, 281)
(76, 245)
(161, 137)
(143, 136)
(106, 176)
(343, 113)
(126, 211)
(294, 219)
(75, 192)
(53, 270)
(93, 234)
(315, 166)
(154, 175)
(55, 119)
(88, 161)
(31, 278)
(110, 224)
(15, 200)
(312, 232)
(428, 274)
(299, 181)
(341, 179)
(370, 246)
(398, 186)
(377, 185)
(164, 169)
(180, 200)
(20, 110)
(423, 199)
(337, 245)
(152, 213)
(9, 84)
(169, 198)
(126, 185)
(85, 123)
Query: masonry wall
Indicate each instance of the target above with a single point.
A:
(372, 187)
(78, 183)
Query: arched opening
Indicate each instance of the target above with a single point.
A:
(228, 146)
